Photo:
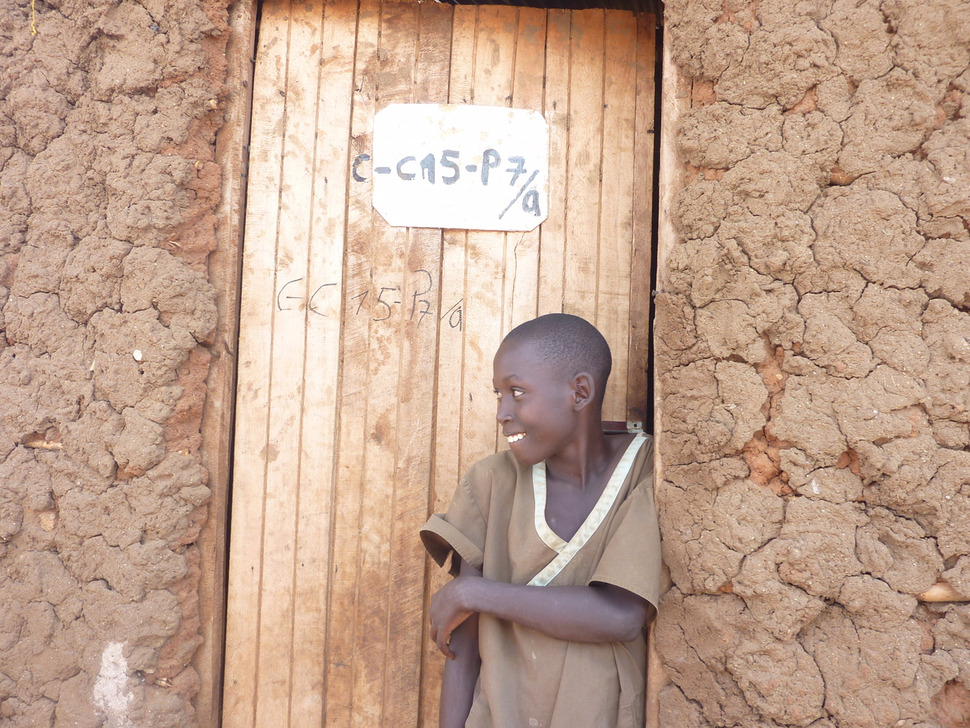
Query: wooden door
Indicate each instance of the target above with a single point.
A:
(364, 383)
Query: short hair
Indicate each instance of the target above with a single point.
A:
(569, 342)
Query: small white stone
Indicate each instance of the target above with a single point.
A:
(136, 354)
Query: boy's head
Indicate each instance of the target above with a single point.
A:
(549, 376)
(569, 343)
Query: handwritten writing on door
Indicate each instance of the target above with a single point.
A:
(413, 302)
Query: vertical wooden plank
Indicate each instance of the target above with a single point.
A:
(451, 333)
(432, 70)
(451, 322)
(324, 292)
(674, 102)
(616, 202)
(256, 309)
(343, 622)
(417, 392)
(494, 55)
(583, 161)
(641, 284)
(406, 619)
(460, 87)
(530, 59)
(552, 261)
(286, 374)
(485, 252)
(522, 249)
(384, 306)
(232, 143)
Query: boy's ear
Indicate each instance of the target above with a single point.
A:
(584, 389)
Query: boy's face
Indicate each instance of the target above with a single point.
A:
(535, 403)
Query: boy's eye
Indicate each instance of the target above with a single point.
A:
(498, 394)
(516, 393)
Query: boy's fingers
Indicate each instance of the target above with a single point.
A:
(443, 648)
(442, 642)
(446, 651)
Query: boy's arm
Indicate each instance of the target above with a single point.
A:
(463, 665)
(596, 613)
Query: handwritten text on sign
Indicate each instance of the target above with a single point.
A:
(461, 166)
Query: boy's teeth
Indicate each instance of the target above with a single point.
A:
(516, 438)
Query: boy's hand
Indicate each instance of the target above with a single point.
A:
(450, 606)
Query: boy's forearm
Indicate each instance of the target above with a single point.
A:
(460, 676)
(599, 613)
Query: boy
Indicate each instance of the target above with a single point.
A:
(556, 549)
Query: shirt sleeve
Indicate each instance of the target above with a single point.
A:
(462, 530)
(631, 559)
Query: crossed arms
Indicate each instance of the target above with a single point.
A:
(595, 613)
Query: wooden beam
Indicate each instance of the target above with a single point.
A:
(451, 327)
(344, 622)
(232, 145)
(641, 281)
(485, 262)
(522, 249)
(377, 481)
(415, 428)
(584, 163)
(319, 413)
(254, 358)
(616, 239)
(552, 263)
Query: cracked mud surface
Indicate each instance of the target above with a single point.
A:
(813, 350)
(107, 190)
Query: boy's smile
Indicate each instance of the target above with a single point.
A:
(534, 403)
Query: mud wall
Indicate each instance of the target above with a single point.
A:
(108, 112)
(813, 349)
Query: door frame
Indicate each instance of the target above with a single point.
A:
(224, 270)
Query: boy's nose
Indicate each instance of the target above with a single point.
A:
(502, 415)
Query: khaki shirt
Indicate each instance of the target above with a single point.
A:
(527, 679)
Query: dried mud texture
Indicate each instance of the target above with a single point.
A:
(813, 353)
(108, 116)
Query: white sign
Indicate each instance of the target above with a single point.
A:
(460, 166)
